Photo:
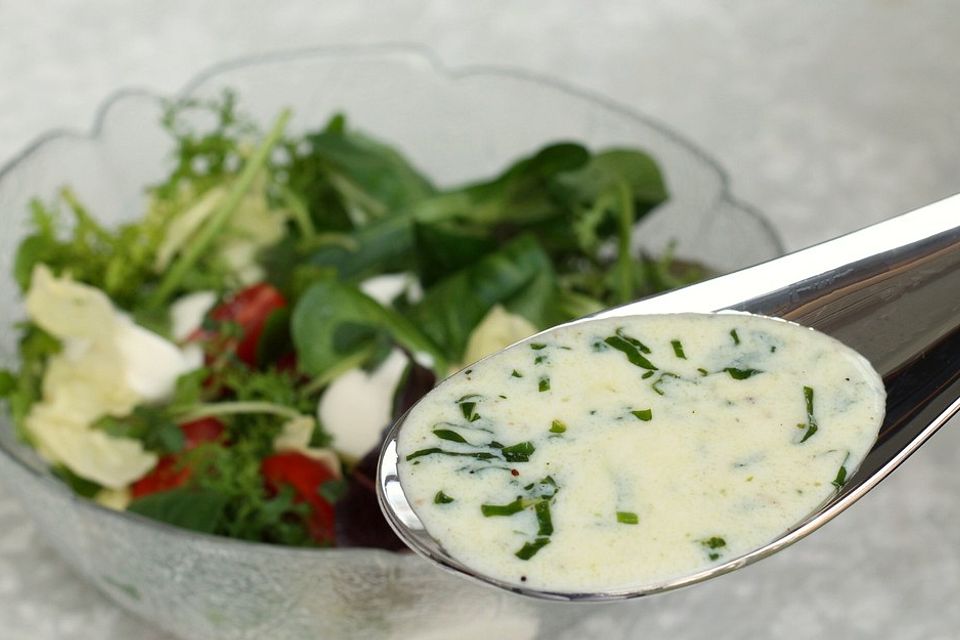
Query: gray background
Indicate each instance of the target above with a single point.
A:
(828, 116)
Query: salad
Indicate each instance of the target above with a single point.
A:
(228, 361)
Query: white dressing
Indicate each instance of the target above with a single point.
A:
(618, 453)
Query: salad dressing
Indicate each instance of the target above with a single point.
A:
(620, 452)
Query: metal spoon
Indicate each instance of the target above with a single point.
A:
(890, 291)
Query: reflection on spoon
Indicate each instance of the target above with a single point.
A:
(861, 287)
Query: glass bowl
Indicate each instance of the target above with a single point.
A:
(456, 125)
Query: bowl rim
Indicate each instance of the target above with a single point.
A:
(390, 50)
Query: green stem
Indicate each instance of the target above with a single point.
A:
(218, 220)
(232, 408)
(299, 213)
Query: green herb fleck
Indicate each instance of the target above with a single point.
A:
(442, 498)
(519, 452)
(663, 376)
(516, 374)
(627, 517)
(811, 425)
(678, 349)
(558, 427)
(703, 371)
(742, 374)
(530, 549)
(452, 436)
(539, 359)
(643, 414)
(544, 522)
(735, 336)
(492, 510)
(537, 346)
(544, 384)
(713, 543)
(841, 478)
(468, 407)
(479, 455)
(632, 351)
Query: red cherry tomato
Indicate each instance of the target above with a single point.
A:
(249, 309)
(305, 475)
(197, 432)
(170, 473)
(167, 475)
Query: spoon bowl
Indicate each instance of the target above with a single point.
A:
(890, 291)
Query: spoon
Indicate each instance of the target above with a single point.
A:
(890, 291)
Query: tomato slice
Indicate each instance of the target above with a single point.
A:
(249, 309)
(305, 475)
(170, 473)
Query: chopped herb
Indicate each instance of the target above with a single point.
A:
(519, 452)
(703, 371)
(544, 522)
(530, 549)
(632, 351)
(639, 345)
(442, 498)
(678, 349)
(742, 374)
(656, 385)
(558, 427)
(773, 349)
(811, 425)
(627, 517)
(536, 346)
(468, 407)
(646, 375)
(516, 374)
(643, 414)
(599, 345)
(544, 384)
(452, 436)
(713, 543)
(735, 336)
(479, 455)
(545, 488)
(841, 478)
(539, 359)
(491, 510)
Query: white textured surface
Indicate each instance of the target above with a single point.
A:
(828, 116)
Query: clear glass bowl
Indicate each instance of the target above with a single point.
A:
(456, 125)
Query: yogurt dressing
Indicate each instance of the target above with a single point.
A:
(621, 452)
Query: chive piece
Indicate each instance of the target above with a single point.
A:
(631, 351)
(519, 452)
(646, 375)
(516, 374)
(491, 510)
(841, 478)
(678, 349)
(536, 346)
(643, 414)
(544, 384)
(530, 549)
(599, 346)
(544, 522)
(627, 517)
(639, 345)
(735, 336)
(545, 488)
(811, 425)
(558, 427)
(480, 455)
(703, 371)
(539, 359)
(452, 436)
(656, 385)
(442, 498)
(742, 374)
(773, 349)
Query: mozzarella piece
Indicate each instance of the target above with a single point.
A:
(187, 313)
(359, 405)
